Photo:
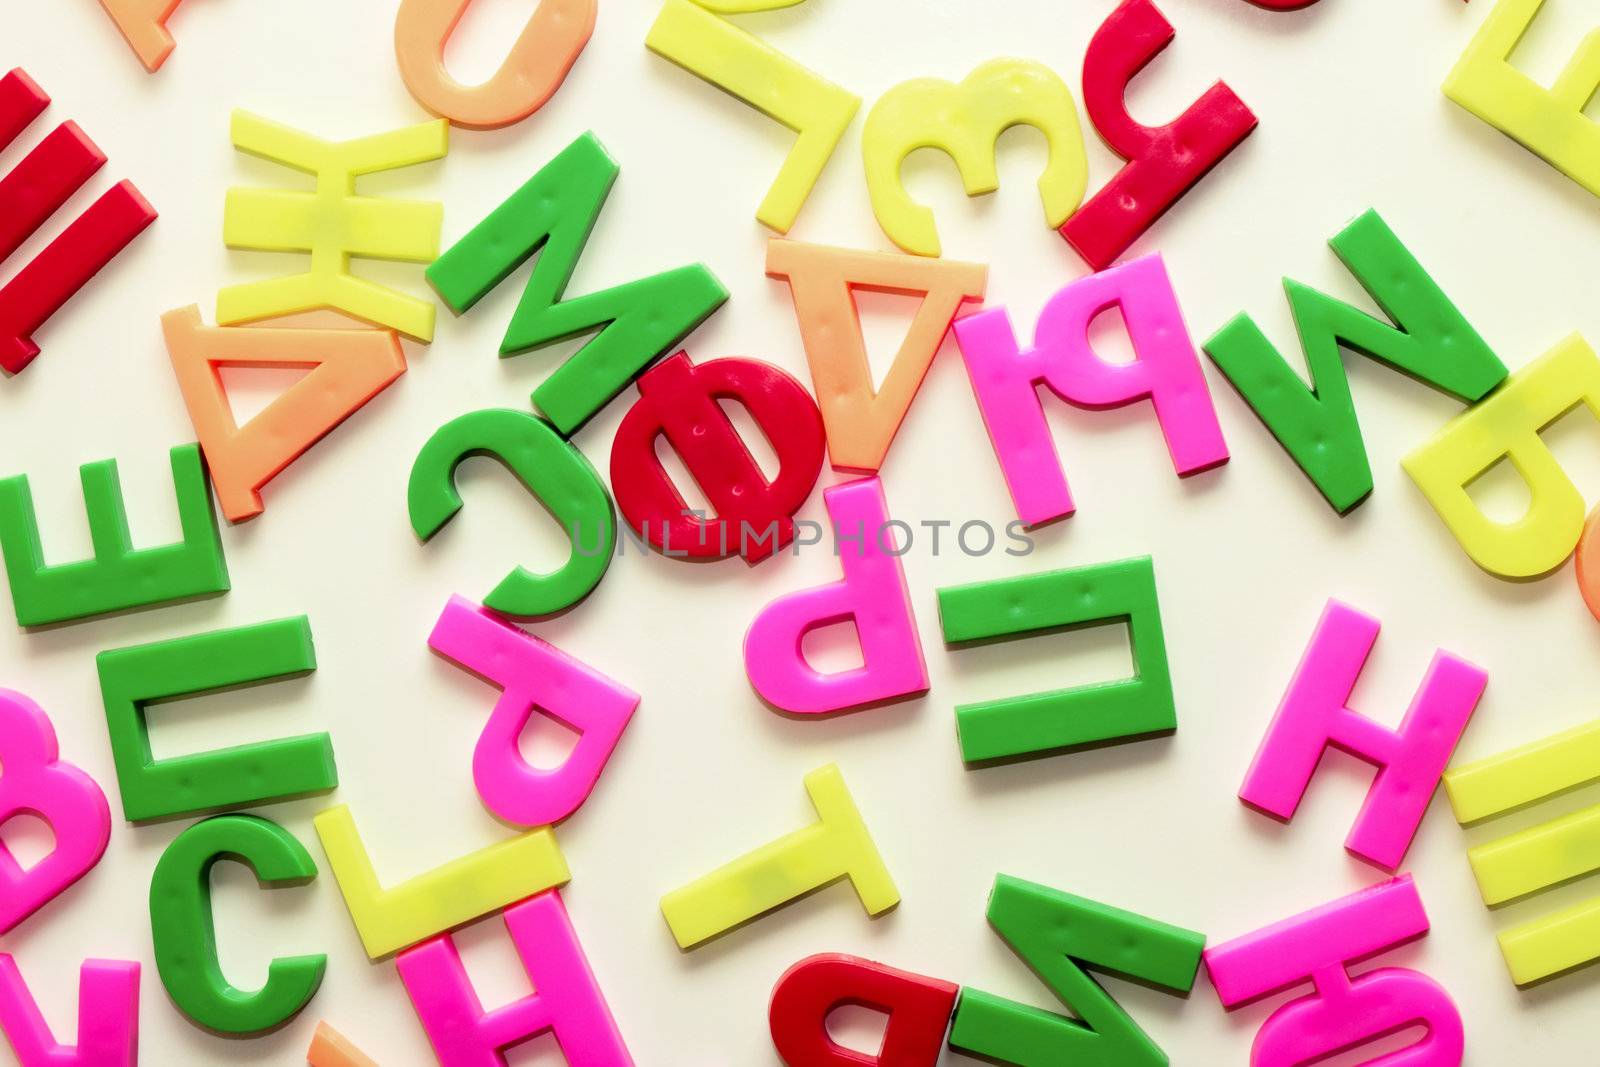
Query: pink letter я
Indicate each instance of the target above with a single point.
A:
(872, 594)
(1315, 713)
(1165, 370)
(1343, 1013)
(566, 999)
(108, 1017)
(533, 675)
(35, 782)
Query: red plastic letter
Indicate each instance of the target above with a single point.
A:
(918, 1008)
(754, 517)
(29, 195)
(1163, 162)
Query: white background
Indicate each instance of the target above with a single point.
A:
(1351, 117)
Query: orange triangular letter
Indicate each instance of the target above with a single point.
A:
(860, 421)
(348, 368)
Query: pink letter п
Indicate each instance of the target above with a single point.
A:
(532, 674)
(1344, 1012)
(566, 999)
(1165, 369)
(872, 594)
(1315, 713)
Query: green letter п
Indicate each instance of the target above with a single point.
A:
(1042, 722)
(637, 322)
(132, 678)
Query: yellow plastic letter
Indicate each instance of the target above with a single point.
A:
(1505, 425)
(333, 224)
(539, 61)
(963, 121)
(1550, 122)
(836, 846)
(1541, 857)
(447, 896)
(742, 65)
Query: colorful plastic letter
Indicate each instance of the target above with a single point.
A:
(347, 369)
(451, 894)
(1344, 1012)
(537, 65)
(181, 924)
(835, 847)
(861, 421)
(566, 1000)
(329, 1048)
(1057, 934)
(108, 1017)
(117, 577)
(1047, 722)
(553, 214)
(1549, 122)
(679, 400)
(963, 121)
(553, 471)
(1164, 162)
(143, 24)
(29, 195)
(533, 675)
(746, 67)
(1165, 370)
(1505, 426)
(1542, 856)
(257, 773)
(1431, 341)
(918, 1010)
(37, 783)
(333, 224)
(872, 594)
(1315, 714)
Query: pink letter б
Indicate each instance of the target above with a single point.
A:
(1315, 713)
(37, 783)
(1165, 370)
(532, 674)
(872, 594)
(566, 999)
(1343, 1013)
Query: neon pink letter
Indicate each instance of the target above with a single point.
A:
(1343, 1013)
(37, 783)
(532, 674)
(108, 1017)
(1165, 370)
(567, 1002)
(872, 595)
(1315, 713)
